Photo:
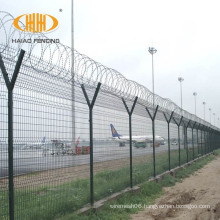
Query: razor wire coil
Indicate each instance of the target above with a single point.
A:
(55, 59)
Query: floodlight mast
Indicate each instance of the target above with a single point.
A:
(210, 115)
(204, 103)
(73, 76)
(152, 51)
(180, 79)
(195, 94)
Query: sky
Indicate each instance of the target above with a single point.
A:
(118, 33)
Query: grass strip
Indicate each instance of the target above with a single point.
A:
(49, 202)
(149, 192)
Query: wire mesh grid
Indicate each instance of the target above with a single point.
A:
(51, 175)
(52, 146)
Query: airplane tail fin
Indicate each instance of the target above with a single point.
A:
(77, 141)
(43, 141)
(114, 132)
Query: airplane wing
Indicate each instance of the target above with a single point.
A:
(35, 145)
(136, 138)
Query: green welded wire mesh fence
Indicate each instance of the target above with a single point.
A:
(53, 161)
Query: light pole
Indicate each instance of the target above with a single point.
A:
(204, 109)
(210, 115)
(218, 122)
(195, 94)
(214, 118)
(73, 76)
(181, 80)
(152, 51)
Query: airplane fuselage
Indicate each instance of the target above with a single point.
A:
(139, 138)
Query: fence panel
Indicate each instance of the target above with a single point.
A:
(4, 204)
(82, 135)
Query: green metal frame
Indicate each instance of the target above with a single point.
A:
(193, 126)
(178, 126)
(168, 124)
(91, 105)
(10, 86)
(130, 134)
(153, 132)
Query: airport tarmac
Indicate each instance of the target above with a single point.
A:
(32, 160)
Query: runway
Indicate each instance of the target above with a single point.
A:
(32, 160)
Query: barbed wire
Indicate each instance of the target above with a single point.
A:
(55, 59)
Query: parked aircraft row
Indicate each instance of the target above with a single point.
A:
(136, 139)
(57, 147)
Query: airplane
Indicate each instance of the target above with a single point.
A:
(62, 148)
(36, 145)
(56, 147)
(136, 139)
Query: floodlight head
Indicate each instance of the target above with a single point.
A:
(152, 50)
(204, 103)
(180, 79)
(210, 109)
(195, 94)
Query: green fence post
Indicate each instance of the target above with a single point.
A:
(201, 140)
(186, 139)
(193, 140)
(197, 131)
(168, 124)
(205, 140)
(178, 126)
(210, 146)
(153, 133)
(130, 134)
(10, 86)
(91, 105)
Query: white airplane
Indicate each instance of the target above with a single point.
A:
(136, 138)
(36, 145)
(62, 148)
